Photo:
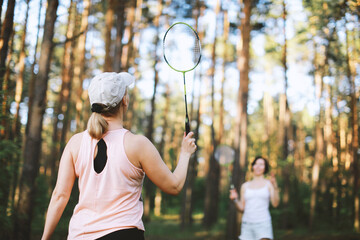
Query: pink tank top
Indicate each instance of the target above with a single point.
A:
(109, 200)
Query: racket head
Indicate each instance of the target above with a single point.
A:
(181, 47)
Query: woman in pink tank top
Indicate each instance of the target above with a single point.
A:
(254, 202)
(110, 163)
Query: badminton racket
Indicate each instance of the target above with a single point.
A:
(182, 52)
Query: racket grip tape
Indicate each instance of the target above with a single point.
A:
(187, 127)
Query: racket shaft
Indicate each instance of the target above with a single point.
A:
(187, 124)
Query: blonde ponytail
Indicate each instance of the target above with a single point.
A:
(97, 126)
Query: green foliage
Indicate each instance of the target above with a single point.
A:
(9, 157)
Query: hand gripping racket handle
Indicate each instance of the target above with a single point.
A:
(187, 126)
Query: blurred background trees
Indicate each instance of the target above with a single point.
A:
(278, 78)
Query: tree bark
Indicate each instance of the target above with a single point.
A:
(6, 32)
(33, 75)
(213, 176)
(20, 78)
(64, 94)
(120, 27)
(354, 123)
(79, 68)
(240, 141)
(109, 21)
(188, 190)
(150, 129)
(32, 148)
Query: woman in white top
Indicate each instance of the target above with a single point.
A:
(255, 196)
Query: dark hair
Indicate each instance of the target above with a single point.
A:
(266, 163)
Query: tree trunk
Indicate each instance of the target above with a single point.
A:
(158, 197)
(188, 190)
(109, 21)
(5, 161)
(150, 129)
(79, 68)
(33, 138)
(20, 78)
(5, 131)
(354, 123)
(6, 32)
(284, 125)
(120, 26)
(213, 176)
(240, 141)
(128, 49)
(33, 75)
(1, 3)
(132, 54)
(64, 94)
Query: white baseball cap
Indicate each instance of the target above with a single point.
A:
(109, 88)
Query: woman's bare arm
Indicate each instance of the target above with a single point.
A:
(62, 191)
(148, 158)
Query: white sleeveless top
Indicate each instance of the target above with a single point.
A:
(256, 204)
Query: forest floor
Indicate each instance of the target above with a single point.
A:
(168, 228)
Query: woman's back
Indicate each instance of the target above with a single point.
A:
(109, 199)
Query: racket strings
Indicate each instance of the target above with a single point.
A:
(182, 49)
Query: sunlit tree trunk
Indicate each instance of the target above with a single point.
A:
(109, 21)
(32, 149)
(79, 68)
(319, 137)
(127, 50)
(226, 26)
(61, 106)
(213, 175)
(354, 123)
(150, 129)
(130, 62)
(240, 141)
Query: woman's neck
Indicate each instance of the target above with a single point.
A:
(114, 123)
(257, 178)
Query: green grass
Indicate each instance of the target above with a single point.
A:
(168, 227)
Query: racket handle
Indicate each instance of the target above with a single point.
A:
(187, 127)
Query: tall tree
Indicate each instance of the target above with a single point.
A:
(32, 73)
(240, 141)
(350, 74)
(20, 78)
(213, 175)
(109, 22)
(79, 68)
(6, 32)
(150, 127)
(32, 149)
(62, 105)
(120, 27)
(188, 196)
(284, 122)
